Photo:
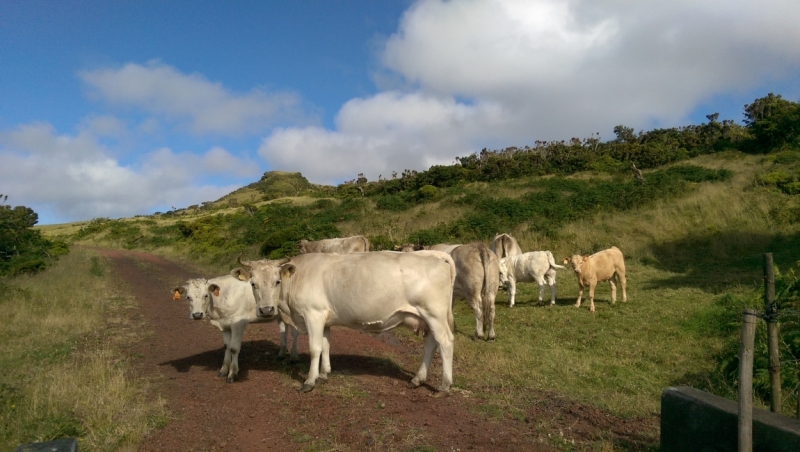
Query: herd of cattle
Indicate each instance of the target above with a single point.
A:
(339, 282)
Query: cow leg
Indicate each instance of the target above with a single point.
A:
(592, 286)
(226, 362)
(623, 283)
(550, 279)
(613, 291)
(512, 290)
(445, 340)
(541, 292)
(488, 315)
(580, 295)
(294, 357)
(282, 331)
(237, 331)
(427, 357)
(325, 366)
(475, 304)
(316, 333)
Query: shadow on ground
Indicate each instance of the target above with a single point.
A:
(262, 355)
(716, 260)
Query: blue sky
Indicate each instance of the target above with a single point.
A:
(112, 109)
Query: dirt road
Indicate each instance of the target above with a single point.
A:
(364, 406)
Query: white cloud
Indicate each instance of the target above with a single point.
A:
(73, 177)
(389, 132)
(209, 107)
(509, 72)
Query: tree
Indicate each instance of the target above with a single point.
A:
(625, 134)
(773, 122)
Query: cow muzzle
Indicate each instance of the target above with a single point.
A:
(197, 315)
(268, 311)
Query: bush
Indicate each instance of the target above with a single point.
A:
(22, 248)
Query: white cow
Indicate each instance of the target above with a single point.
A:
(354, 244)
(371, 292)
(504, 245)
(535, 266)
(229, 303)
(606, 265)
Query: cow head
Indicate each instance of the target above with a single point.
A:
(301, 246)
(196, 294)
(576, 261)
(503, 265)
(265, 280)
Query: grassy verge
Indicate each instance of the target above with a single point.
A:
(63, 373)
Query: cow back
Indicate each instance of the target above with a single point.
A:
(362, 290)
(504, 245)
(604, 264)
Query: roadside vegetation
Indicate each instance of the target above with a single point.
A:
(63, 371)
(714, 197)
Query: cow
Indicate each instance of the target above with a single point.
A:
(504, 245)
(229, 303)
(535, 266)
(605, 265)
(354, 244)
(371, 292)
(477, 281)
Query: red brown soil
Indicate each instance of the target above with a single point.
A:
(364, 406)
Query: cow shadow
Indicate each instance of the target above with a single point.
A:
(715, 260)
(262, 356)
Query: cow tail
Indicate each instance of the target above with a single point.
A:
(486, 299)
(450, 319)
(552, 261)
(366, 244)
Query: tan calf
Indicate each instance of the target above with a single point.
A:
(605, 265)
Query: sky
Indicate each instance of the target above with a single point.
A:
(123, 108)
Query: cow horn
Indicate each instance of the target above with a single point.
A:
(239, 260)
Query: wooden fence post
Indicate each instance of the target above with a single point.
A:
(749, 319)
(771, 316)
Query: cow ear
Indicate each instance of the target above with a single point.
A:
(566, 260)
(287, 270)
(241, 274)
(585, 256)
(177, 293)
(213, 288)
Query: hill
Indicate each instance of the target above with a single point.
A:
(710, 201)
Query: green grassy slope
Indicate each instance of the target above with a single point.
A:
(693, 236)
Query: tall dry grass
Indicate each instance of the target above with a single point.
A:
(63, 373)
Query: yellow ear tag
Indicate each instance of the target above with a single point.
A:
(176, 295)
(216, 292)
(241, 277)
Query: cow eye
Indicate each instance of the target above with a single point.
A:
(189, 298)
(277, 282)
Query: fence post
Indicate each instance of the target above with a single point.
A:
(771, 316)
(749, 319)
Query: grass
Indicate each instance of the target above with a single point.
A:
(63, 373)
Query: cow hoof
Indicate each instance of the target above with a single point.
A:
(222, 374)
(491, 339)
(230, 379)
(306, 388)
(440, 394)
(322, 380)
(413, 384)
